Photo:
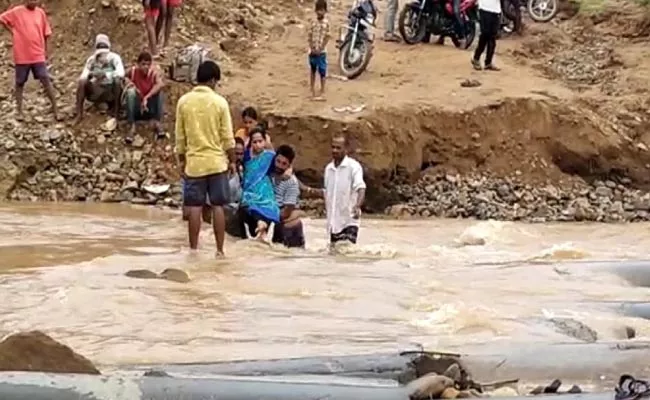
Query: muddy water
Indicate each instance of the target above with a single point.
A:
(62, 266)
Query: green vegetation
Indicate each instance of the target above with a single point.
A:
(593, 6)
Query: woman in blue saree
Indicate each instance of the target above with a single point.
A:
(258, 198)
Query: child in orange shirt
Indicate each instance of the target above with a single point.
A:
(250, 118)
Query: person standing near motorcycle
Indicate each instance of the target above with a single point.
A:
(460, 24)
(490, 21)
(392, 7)
(318, 36)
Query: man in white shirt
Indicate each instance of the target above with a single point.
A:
(101, 78)
(490, 20)
(345, 192)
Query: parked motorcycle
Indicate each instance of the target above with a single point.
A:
(542, 10)
(437, 17)
(511, 19)
(356, 43)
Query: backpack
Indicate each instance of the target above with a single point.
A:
(186, 63)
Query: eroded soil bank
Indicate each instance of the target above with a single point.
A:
(566, 114)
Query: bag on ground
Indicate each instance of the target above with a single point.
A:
(186, 63)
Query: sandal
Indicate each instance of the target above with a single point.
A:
(629, 388)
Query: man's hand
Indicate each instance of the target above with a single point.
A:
(181, 168)
(143, 106)
(356, 212)
(232, 169)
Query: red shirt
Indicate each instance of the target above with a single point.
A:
(30, 28)
(143, 81)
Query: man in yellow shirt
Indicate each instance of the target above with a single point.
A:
(205, 145)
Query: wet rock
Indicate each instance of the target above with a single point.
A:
(574, 389)
(453, 372)
(428, 386)
(35, 351)
(175, 275)
(170, 274)
(576, 329)
(450, 393)
(141, 274)
(553, 387)
(8, 174)
(156, 373)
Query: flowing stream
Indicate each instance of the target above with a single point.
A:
(442, 283)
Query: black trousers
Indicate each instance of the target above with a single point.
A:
(490, 24)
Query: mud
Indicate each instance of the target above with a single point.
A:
(35, 351)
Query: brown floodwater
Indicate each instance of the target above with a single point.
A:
(442, 283)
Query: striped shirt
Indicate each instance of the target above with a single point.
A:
(287, 191)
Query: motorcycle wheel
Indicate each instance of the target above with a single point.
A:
(542, 10)
(418, 27)
(470, 32)
(349, 69)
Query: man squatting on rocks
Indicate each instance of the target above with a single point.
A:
(144, 98)
(101, 78)
(30, 32)
(344, 192)
(205, 145)
(490, 19)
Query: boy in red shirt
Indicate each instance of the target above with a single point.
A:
(30, 30)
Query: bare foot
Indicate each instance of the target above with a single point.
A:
(319, 98)
(219, 255)
(20, 117)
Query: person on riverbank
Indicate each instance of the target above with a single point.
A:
(258, 198)
(490, 20)
(30, 31)
(205, 145)
(392, 6)
(250, 119)
(152, 10)
(168, 10)
(101, 79)
(289, 230)
(317, 37)
(144, 98)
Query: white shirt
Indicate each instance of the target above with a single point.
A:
(493, 6)
(342, 186)
(112, 58)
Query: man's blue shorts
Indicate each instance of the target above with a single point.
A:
(318, 63)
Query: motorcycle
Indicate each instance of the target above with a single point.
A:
(356, 40)
(436, 17)
(542, 10)
(511, 19)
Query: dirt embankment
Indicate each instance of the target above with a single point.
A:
(568, 109)
(35, 351)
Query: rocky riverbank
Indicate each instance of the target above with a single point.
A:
(483, 197)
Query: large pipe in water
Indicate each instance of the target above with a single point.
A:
(600, 362)
(41, 386)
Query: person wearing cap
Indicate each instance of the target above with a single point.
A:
(101, 79)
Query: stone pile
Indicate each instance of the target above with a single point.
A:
(483, 197)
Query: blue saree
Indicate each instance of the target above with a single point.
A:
(258, 196)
